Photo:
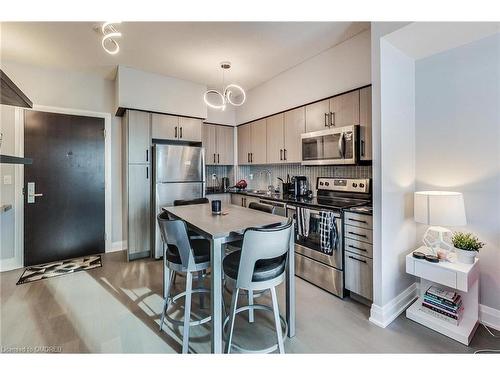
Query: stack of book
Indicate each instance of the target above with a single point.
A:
(443, 304)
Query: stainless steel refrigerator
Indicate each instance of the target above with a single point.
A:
(178, 173)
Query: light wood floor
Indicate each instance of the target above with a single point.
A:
(116, 309)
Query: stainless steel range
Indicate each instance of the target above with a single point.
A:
(311, 263)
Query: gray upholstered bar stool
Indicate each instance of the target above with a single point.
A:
(237, 245)
(260, 265)
(188, 256)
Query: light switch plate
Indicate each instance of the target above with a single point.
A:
(7, 179)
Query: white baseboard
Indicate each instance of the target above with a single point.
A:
(384, 315)
(118, 246)
(489, 317)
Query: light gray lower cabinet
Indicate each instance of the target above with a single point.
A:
(139, 211)
(243, 200)
(225, 198)
(359, 275)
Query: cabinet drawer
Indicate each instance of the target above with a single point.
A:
(358, 247)
(436, 274)
(359, 275)
(358, 220)
(361, 234)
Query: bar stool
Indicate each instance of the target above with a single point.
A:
(260, 265)
(188, 256)
(237, 245)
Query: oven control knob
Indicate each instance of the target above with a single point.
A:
(361, 185)
(355, 184)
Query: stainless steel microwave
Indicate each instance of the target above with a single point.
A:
(331, 146)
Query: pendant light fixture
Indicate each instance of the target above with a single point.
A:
(110, 33)
(232, 93)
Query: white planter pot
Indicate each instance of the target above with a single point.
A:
(465, 256)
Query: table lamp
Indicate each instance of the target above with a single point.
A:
(438, 209)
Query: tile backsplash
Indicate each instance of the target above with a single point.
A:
(257, 178)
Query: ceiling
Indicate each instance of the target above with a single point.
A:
(421, 39)
(186, 50)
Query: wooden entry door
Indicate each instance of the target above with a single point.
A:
(67, 219)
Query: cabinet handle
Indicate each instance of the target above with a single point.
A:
(332, 118)
(251, 157)
(358, 221)
(147, 173)
(357, 234)
(326, 119)
(284, 154)
(281, 154)
(214, 158)
(359, 260)
(175, 136)
(180, 132)
(147, 155)
(362, 148)
(248, 157)
(357, 248)
(218, 159)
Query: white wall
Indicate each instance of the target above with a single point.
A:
(76, 90)
(227, 117)
(378, 30)
(153, 92)
(338, 69)
(397, 152)
(458, 142)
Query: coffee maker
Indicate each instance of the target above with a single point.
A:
(299, 186)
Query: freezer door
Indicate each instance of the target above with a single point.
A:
(175, 163)
(165, 195)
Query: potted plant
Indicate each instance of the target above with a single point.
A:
(466, 246)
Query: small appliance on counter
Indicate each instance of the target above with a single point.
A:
(224, 184)
(241, 185)
(298, 186)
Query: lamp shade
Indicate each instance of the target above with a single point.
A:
(441, 208)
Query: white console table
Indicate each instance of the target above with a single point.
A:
(464, 278)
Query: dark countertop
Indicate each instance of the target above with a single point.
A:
(279, 197)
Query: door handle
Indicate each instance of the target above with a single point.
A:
(248, 157)
(147, 173)
(175, 136)
(362, 148)
(341, 145)
(147, 155)
(332, 118)
(357, 248)
(358, 221)
(359, 260)
(218, 158)
(284, 154)
(31, 192)
(251, 157)
(281, 154)
(180, 132)
(357, 234)
(214, 158)
(326, 119)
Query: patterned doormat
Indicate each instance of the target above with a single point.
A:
(62, 267)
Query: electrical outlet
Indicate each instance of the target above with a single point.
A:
(214, 176)
(7, 179)
(250, 176)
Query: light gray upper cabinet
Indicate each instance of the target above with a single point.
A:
(317, 116)
(164, 126)
(189, 129)
(244, 143)
(252, 143)
(139, 211)
(139, 137)
(294, 125)
(275, 139)
(365, 122)
(218, 141)
(175, 128)
(344, 109)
